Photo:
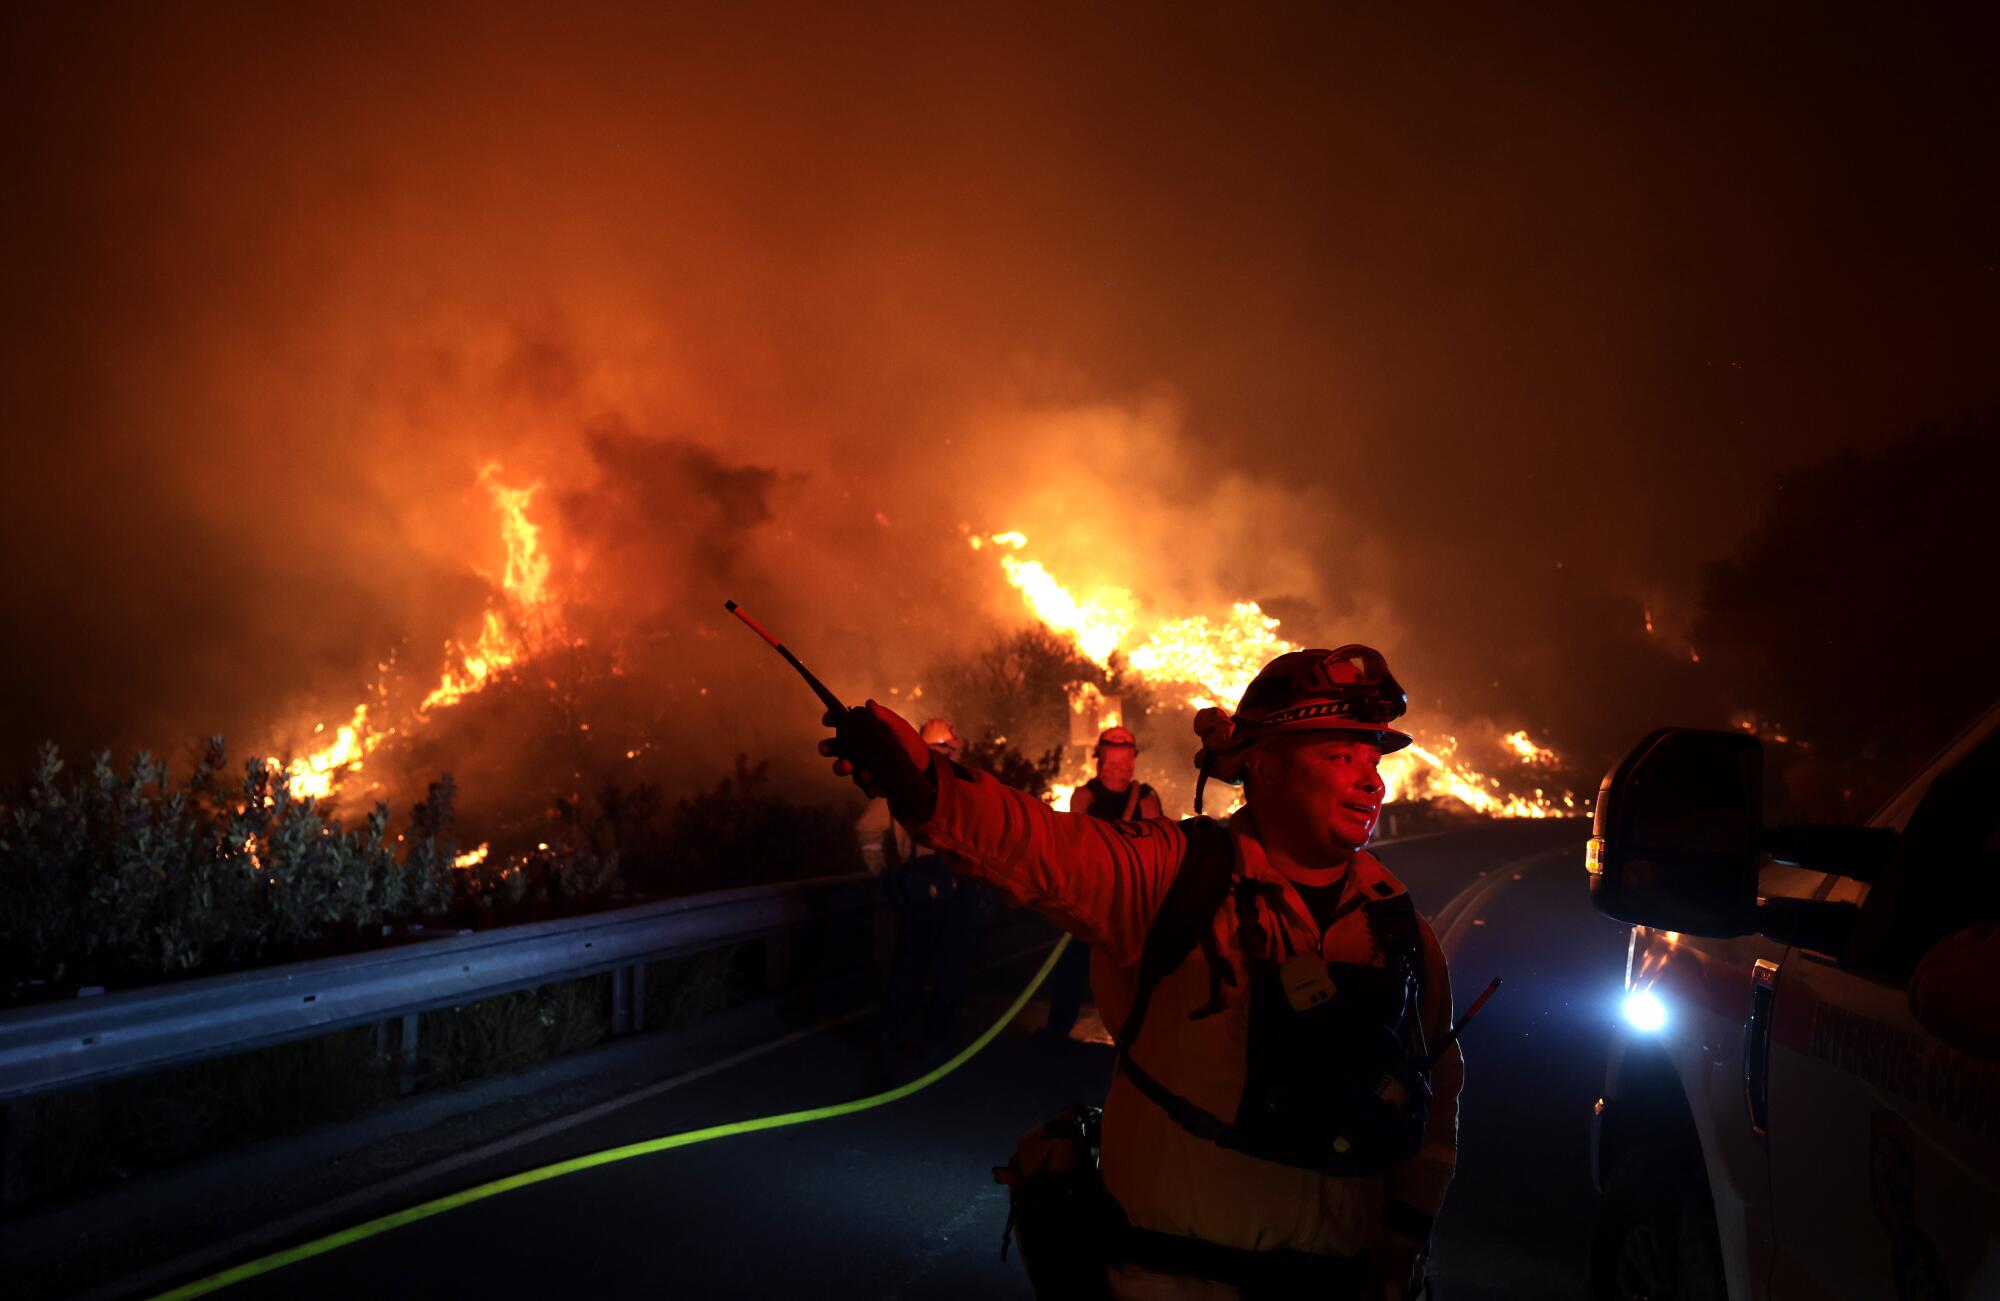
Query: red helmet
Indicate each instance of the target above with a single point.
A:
(941, 736)
(1117, 736)
(1344, 690)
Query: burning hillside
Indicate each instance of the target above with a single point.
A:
(1170, 662)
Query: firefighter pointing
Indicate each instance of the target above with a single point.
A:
(1283, 1117)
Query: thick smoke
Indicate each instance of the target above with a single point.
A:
(1474, 341)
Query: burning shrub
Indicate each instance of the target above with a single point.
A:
(119, 878)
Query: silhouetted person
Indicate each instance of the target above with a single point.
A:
(937, 928)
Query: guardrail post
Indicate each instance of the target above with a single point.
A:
(621, 1000)
(637, 974)
(777, 961)
(18, 1118)
(407, 1080)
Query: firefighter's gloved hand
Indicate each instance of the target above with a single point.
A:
(885, 757)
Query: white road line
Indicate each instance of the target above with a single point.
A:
(1454, 921)
(1384, 841)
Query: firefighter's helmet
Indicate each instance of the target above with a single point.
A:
(1114, 736)
(942, 737)
(1346, 690)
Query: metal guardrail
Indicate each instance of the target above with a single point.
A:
(92, 1040)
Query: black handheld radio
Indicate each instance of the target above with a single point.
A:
(860, 732)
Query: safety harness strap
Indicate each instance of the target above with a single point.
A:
(1201, 1123)
(1198, 889)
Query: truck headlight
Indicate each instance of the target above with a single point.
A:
(1645, 1012)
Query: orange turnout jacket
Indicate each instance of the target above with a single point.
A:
(1104, 882)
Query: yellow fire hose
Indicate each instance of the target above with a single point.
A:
(437, 1206)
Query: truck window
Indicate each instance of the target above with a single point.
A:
(1896, 813)
(1777, 881)
(1946, 875)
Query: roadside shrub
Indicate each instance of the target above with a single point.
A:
(116, 878)
(125, 878)
(737, 833)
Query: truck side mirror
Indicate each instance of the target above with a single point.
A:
(1676, 838)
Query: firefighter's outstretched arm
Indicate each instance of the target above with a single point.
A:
(1101, 881)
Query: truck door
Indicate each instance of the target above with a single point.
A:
(1885, 1141)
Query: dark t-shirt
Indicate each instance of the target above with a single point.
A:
(1110, 805)
(1324, 901)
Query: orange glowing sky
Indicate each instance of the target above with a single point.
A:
(1475, 338)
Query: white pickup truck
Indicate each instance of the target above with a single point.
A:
(1777, 1123)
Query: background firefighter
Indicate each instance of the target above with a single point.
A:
(1116, 795)
(937, 921)
(1209, 1220)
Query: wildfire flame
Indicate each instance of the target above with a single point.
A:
(471, 857)
(1530, 753)
(1222, 656)
(504, 639)
(527, 624)
(1097, 626)
(314, 775)
(1210, 660)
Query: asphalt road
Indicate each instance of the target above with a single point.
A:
(899, 1202)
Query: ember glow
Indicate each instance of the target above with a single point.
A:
(1199, 660)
